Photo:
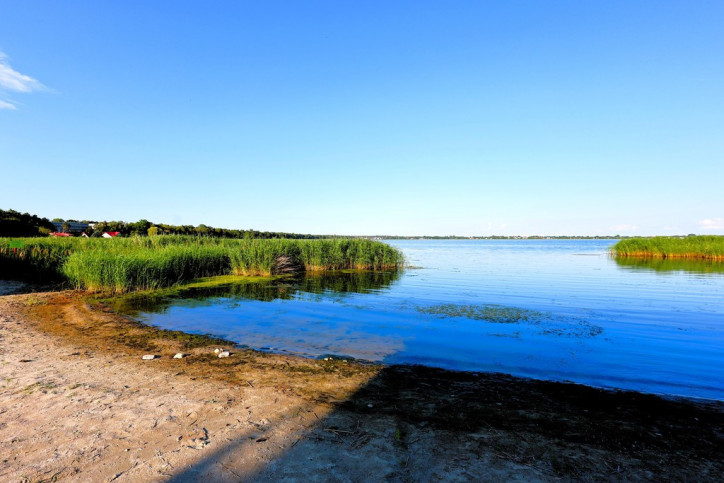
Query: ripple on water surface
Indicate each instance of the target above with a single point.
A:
(551, 309)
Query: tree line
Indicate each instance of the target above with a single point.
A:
(145, 227)
(16, 224)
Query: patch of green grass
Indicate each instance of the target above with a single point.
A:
(44, 387)
(489, 313)
(33, 301)
(705, 247)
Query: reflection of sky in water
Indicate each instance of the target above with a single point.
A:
(600, 322)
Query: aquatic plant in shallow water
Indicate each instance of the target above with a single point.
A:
(490, 313)
(143, 269)
(140, 263)
(704, 246)
(550, 324)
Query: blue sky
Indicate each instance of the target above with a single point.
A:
(468, 118)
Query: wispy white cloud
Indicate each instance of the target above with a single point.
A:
(712, 224)
(13, 81)
(623, 228)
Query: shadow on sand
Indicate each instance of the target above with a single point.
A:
(412, 423)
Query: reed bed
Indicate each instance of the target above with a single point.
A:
(35, 259)
(708, 247)
(142, 263)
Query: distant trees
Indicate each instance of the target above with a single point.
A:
(140, 227)
(14, 223)
(120, 226)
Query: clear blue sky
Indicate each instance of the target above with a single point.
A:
(468, 118)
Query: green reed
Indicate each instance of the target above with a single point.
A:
(704, 246)
(141, 263)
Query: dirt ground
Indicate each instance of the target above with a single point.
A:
(77, 402)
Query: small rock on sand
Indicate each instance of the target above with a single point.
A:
(149, 357)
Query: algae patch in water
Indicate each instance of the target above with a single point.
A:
(547, 323)
(489, 313)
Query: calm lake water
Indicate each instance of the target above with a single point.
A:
(547, 309)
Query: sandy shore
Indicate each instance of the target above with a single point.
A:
(77, 402)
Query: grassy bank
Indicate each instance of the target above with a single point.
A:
(142, 263)
(709, 247)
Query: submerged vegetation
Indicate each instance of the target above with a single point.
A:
(709, 247)
(550, 324)
(489, 313)
(142, 263)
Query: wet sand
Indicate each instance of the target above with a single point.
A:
(77, 402)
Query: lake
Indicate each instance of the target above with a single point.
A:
(548, 309)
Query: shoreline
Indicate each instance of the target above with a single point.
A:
(75, 381)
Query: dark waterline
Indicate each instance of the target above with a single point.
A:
(547, 309)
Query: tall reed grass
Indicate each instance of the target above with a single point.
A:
(710, 247)
(142, 263)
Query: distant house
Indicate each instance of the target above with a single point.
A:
(73, 226)
(58, 233)
(111, 234)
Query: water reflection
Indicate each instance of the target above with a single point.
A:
(338, 284)
(668, 265)
(529, 308)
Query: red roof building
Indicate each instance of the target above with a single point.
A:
(57, 233)
(111, 234)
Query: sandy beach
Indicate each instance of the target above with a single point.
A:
(78, 403)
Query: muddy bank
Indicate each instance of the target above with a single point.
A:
(79, 403)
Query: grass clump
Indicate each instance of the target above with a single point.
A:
(259, 257)
(119, 271)
(34, 258)
(147, 263)
(709, 247)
